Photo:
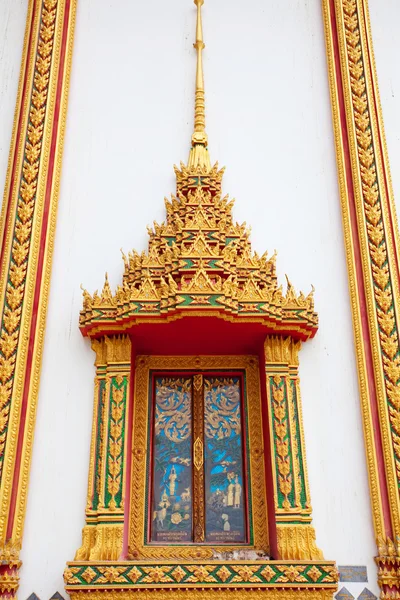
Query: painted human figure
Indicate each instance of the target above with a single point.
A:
(172, 482)
(238, 493)
(230, 494)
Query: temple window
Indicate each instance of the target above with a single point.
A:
(198, 459)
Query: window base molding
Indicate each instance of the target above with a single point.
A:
(314, 580)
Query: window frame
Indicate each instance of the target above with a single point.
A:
(247, 505)
(257, 517)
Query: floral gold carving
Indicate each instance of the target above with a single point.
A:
(291, 492)
(198, 459)
(150, 575)
(115, 445)
(281, 433)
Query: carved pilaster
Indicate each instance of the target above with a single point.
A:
(102, 534)
(295, 535)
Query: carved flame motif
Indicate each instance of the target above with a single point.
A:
(173, 409)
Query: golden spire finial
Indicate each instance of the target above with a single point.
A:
(198, 156)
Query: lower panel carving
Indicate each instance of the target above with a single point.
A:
(215, 594)
(182, 577)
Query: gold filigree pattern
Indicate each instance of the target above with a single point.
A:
(377, 243)
(198, 459)
(20, 251)
(173, 408)
(115, 442)
(281, 433)
(27, 224)
(374, 229)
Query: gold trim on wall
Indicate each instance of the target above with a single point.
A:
(205, 594)
(27, 229)
(371, 245)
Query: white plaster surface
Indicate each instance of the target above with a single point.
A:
(130, 119)
(386, 40)
(12, 28)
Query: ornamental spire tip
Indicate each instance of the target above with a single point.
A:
(198, 156)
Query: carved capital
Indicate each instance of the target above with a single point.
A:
(99, 347)
(118, 349)
(280, 350)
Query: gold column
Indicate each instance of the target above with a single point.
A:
(102, 535)
(295, 535)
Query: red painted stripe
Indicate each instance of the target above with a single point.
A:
(360, 283)
(392, 224)
(18, 136)
(38, 284)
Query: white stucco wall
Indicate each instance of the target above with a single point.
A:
(386, 42)
(12, 28)
(130, 119)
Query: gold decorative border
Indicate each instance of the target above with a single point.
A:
(371, 243)
(144, 364)
(196, 594)
(27, 228)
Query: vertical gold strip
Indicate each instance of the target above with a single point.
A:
(27, 229)
(371, 233)
(198, 459)
(354, 286)
(377, 237)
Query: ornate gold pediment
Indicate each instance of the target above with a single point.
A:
(199, 257)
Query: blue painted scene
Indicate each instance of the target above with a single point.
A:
(225, 517)
(172, 461)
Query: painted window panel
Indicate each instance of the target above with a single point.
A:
(225, 515)
(172, 461)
